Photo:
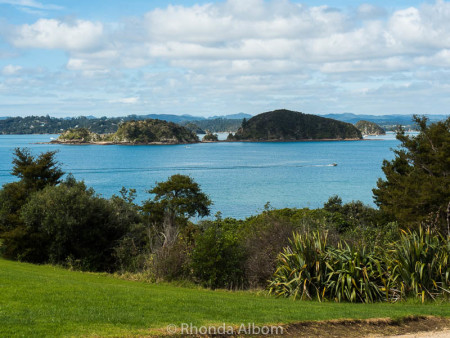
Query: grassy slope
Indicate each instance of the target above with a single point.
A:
(45, 300)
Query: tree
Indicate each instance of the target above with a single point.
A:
(35, 173)
(175, 201)
(38, 172)
(417, 185)
(74, 224)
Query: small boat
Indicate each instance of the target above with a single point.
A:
(334, 164)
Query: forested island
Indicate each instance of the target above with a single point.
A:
(275, 126)
(151, 131)
(369, 128)
(287, 125)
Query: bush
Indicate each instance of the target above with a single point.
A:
(218, 256)
(75, 224)
(302, 270)
(419, 264)
(262, 245)
(355, 275)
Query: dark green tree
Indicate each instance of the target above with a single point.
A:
(417, 184)
(218, 256)
(35, 173)
(77, 226)
(174, 202)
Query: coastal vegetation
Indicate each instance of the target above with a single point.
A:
(369, 128)
(334, 255)
(149, 131)
(416, 189)
(287, 125)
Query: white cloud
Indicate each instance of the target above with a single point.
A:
(11, 70)
(30, 4)
(275, 53)
(126, 100)
(55, 34)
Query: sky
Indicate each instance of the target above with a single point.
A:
(205, 58)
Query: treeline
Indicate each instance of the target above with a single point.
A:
(53, 125)
(340, 252)
(214, 125)
(104, 125)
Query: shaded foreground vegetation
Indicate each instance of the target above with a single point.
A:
(50, 301)
(341, 252)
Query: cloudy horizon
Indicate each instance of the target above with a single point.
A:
(208, 58)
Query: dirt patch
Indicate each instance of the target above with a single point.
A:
(370, 327)
(409, 327)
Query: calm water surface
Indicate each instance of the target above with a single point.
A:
(239, 177)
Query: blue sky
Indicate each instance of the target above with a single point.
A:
(70, 58)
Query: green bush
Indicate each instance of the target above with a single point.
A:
(218, 255)
(74, 223)
(302, 268)
(419, 264)
(354, 275)
(416, 265)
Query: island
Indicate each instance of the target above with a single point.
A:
(287, 125)
(142, 132)
(369, 128)
(210, 137)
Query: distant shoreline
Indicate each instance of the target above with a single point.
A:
(107, 143)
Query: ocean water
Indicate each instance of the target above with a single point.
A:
(240, 178)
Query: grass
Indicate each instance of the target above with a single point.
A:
(50, 301)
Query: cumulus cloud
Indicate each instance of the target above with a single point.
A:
(55, 34)
(11, 69)
(261, 52)
(240, 34)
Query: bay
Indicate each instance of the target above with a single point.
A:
(239, 177)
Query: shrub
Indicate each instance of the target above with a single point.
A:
(75, 223)
(171, 262)
(354, 275)
(419, 264)
(301, 270)
(218, 256)
(262, 247)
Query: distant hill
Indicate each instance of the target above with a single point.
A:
(239, 116)
(150, 131)
(383, 120)
(215, 125)
(369, 128)
(103, 125)
(164, 117)
(287, 125)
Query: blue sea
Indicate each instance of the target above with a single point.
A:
(240, 178)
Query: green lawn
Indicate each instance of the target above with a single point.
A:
(45, 300)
